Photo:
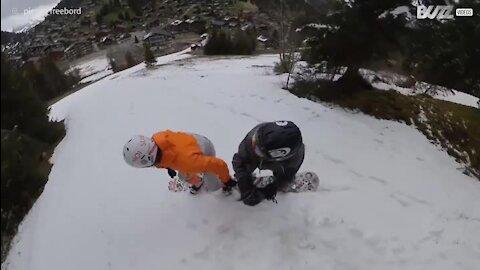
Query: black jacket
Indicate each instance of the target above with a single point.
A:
(245, 161)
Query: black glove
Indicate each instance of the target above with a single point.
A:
(229, 185)
(269, 191)
(172, 173)
(253, 197)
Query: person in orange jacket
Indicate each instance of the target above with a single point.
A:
(189, 154)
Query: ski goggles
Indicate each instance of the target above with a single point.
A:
(257, 148)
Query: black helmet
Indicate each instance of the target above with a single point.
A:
(277, 141)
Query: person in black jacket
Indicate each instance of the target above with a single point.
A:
(275, 146)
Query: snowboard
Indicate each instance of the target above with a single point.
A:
(303, 182)
(178, 185)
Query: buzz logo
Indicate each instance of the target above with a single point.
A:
(435, 12)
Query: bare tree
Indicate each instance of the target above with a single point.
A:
(287, 52)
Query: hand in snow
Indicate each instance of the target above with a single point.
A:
(269, 191)
(253, 197)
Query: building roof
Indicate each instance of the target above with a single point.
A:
(75, 45)
(176, 22)
(262, 38)
(218, 23)
(157, 31)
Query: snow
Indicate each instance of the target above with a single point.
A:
(387, 82)
(460, 98)
(262, 38)
(451, 95)
(405, 10)
(93, 69)
(96, 76)
(317, 25)
(388, 199)
(98, 68)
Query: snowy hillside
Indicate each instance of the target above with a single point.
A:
(92, 70)
(388, 198)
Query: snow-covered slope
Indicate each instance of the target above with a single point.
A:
(92, 70)
(387, 82)
(388, 198)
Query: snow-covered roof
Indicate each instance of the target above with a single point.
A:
(158, 31)
(262, 38)
(246, 26)
(176, 22)
(401, 10)
(317, 25)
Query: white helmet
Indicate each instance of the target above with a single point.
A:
(140, 152)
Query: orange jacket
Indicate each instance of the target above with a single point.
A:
(180, 151)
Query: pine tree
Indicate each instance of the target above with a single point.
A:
(112, 62)
(149, 56)
(446, 52)
(129, 59)
(356, 33)
(99, 18)
(136, 6)
(22, 107)
(212, 44)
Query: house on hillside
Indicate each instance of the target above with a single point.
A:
(78, 49)
(124, 36)
(119, 29)
(219, 24)
(36, 51)
(157, 37)
(196, 25)
(107, 41)
(151, 24)
(56, 51)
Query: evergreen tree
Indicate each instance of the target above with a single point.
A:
(148, 54)
(112, 62)
(127, 16)
(99, 18)
(22, 107)
(446, 52)
(48, 79)
(129, 59)
(136, 6)
(354, 34)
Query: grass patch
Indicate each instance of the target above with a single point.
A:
(454, 127)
